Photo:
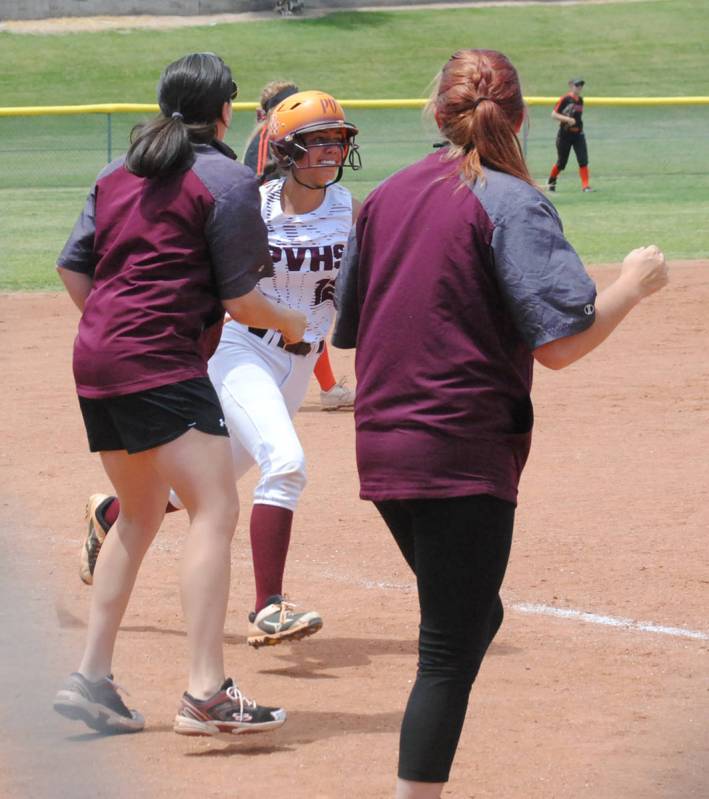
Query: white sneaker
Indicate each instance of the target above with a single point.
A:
(339, 396)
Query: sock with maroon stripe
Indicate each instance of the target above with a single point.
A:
(107, 512)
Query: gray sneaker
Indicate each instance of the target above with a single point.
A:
(97, 704)
(279, 622)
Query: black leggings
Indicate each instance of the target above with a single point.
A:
(458, 549)
(564, 143)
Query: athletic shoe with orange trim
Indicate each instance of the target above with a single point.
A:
(95, 535)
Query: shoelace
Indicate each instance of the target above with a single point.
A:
(287, 609)
(235, 695)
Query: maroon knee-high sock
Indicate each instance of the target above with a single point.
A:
(110, 508)
(270, 537)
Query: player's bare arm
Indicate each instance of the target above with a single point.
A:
(77, 284)
(644, 271)
(255, 310)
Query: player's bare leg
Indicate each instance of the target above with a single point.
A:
(143, 495)
(200, 470)
(408, 789)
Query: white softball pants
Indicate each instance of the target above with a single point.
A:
(261, 387)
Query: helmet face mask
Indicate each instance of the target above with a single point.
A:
(293, 122)
(296, 150)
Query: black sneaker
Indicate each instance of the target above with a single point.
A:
(97, 704)
(278, 621)
(551, 186)
(226, 714)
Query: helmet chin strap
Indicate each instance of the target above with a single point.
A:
(294, 172)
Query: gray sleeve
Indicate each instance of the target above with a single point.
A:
(237, 238)
(344, 335)
(543, 280)
(78, 253)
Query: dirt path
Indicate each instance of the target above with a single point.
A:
(612, 523)
(99, 23)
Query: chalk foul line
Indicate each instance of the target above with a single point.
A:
(609, 621)
(533, 609)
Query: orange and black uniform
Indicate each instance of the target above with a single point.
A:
(257, 157)
(568, 136)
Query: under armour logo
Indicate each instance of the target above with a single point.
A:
(222, 423)
(589, 309)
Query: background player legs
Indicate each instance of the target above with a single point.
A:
(323, 371)
(333, 394)
(460, 548)
(581, 152)
(563, 148)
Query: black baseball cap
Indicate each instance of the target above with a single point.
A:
(577, 82)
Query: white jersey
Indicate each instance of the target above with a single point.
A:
(306, 250)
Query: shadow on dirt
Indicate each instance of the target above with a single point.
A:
(308, 726)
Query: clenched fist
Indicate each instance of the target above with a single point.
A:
(646, 270)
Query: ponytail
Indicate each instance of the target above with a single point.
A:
(191, 94)
(163, 147)
(478, 106)
(495, 145)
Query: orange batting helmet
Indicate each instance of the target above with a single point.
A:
(306, 112)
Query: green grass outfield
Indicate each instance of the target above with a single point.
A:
(648, 164)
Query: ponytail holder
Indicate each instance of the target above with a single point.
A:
(477, 102)
(176, 115)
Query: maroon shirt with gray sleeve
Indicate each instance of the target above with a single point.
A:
(445, 290)
(162, 254)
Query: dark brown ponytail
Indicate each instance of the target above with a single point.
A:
(191, 94)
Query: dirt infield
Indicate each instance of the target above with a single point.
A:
(612, 523)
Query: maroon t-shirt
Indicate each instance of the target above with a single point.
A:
(445, 291)
(162, 254)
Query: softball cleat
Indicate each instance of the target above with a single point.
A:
(95, 535)
(278, 622)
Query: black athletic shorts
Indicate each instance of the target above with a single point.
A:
(147, 419)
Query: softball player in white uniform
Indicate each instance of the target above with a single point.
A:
(262, 383)
(260, 380)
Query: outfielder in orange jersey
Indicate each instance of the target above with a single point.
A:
(568, 112)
